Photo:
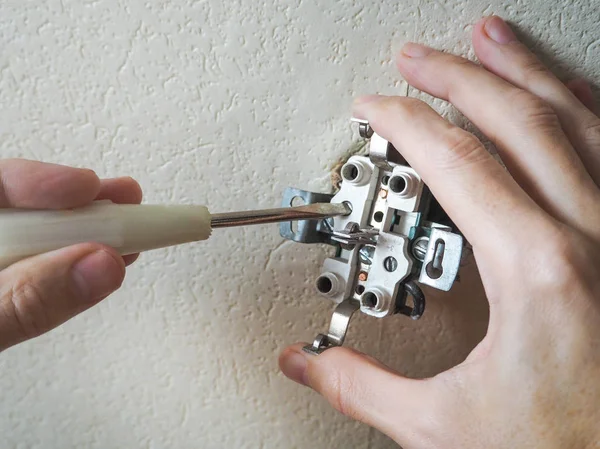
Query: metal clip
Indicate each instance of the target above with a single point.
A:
(381, 152)
(364, 129)
(353, 235)
(337, 329)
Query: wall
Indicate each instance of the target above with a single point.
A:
(223, 103)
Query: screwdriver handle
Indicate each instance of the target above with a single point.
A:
(127, 228)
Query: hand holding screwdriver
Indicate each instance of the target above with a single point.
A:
(64, 258)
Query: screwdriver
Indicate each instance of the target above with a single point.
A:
(132, 228)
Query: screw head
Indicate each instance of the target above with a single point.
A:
(366, 253)
(390, 264)
(365, 130)
(419, 248)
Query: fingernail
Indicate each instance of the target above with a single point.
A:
(97, 275)
(498, 30)
(413, 50)
(367, 99)
(294, 367)
(362, 106)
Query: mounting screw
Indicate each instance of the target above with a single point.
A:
(419, 248)
(365, 130)
(366, 254)
(390, 264)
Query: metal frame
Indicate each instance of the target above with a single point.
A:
(386, 245)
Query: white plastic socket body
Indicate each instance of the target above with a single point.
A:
(403, 184)
(375, 299)
(356, 172)
(359, 194)
(329, 284)
(405, 189)
(386, 277)
(366, 187)
(342, 269)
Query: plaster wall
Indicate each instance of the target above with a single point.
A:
(223, 103)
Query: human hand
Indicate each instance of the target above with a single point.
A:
(533, 379)
(39, 293)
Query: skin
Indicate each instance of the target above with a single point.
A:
(532, 381)
(40, 293)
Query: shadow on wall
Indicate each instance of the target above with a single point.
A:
(563, 66)
(453, 324)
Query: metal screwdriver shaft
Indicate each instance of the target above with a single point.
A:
(316, 211)
(131, 228)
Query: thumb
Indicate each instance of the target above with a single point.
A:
(363, 389)
(39, 293)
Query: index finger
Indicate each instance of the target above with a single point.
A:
(37, 185)
(474, 189)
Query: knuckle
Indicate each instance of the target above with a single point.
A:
(591, 133)
(413, 104)
(460, 61)
(564, 262)
(460, 149)
(448, 388)
(533, 71)
(404, 105)
(532, 111)
(393, 110)
(26, 305)
(562, 257)
(459, 66)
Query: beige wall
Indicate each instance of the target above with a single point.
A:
(223, 103)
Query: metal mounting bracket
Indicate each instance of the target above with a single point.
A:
(337, 329)
(306, 231)
(393, 239)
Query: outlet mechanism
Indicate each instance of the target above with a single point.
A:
(386, 246)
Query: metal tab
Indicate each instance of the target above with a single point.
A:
(337, 329)
(379, 149)
(442, 260)
(364, 129)
(307, 231)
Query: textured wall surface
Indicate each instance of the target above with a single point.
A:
(223, 103)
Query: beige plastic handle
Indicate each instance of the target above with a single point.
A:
(127, 228)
